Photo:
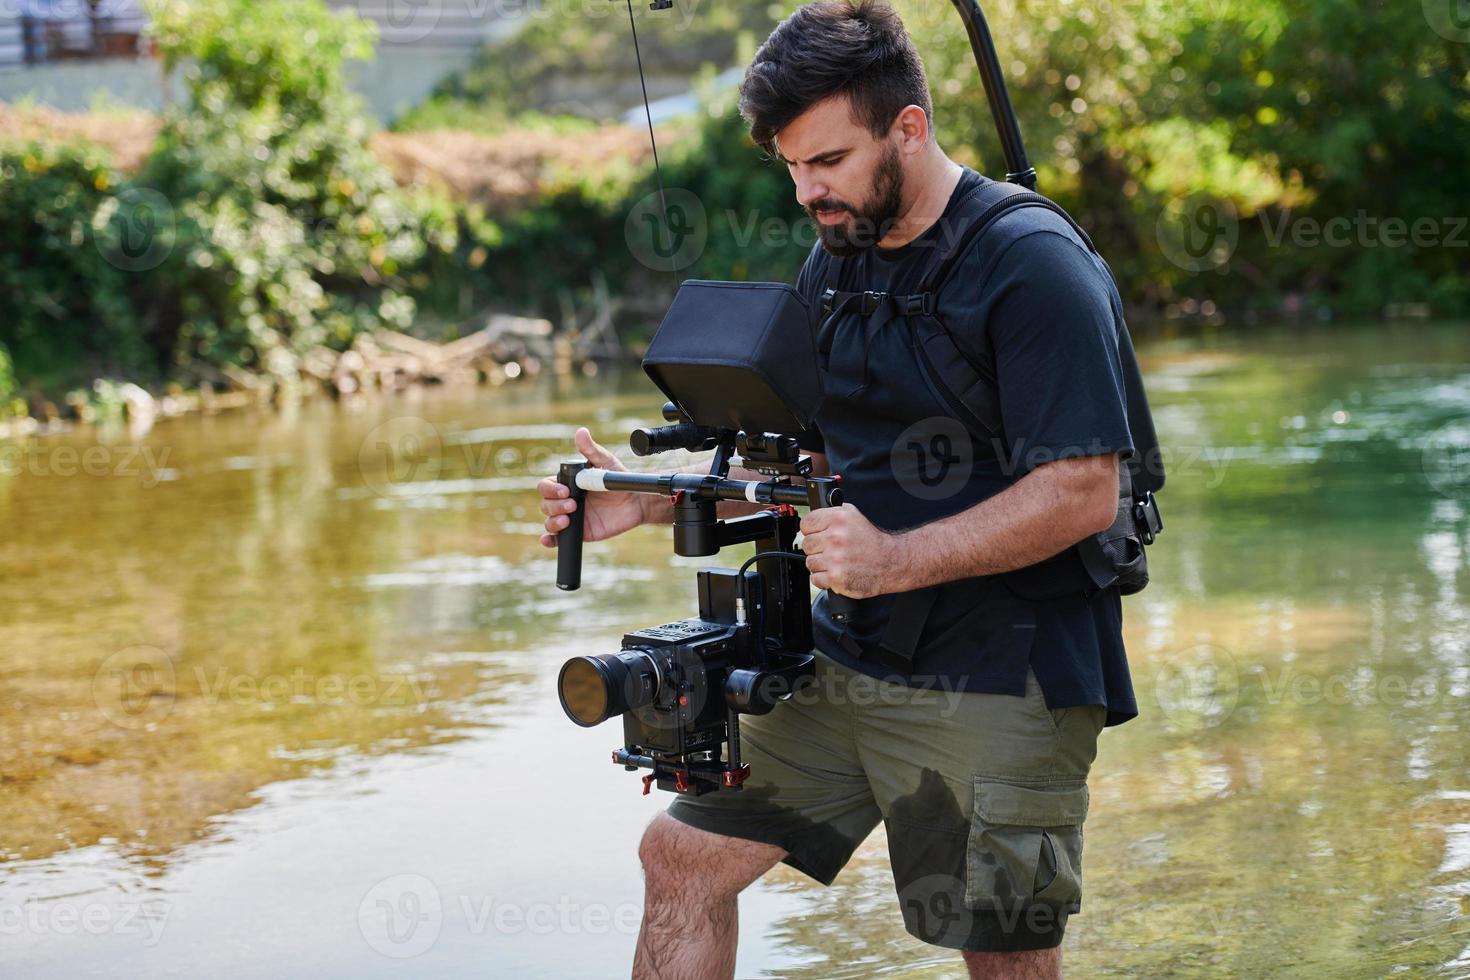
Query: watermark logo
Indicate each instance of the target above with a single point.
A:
(1198, 232)
(934, 909)
(399, 454)
(933, 458)
(1450, 19)
(667, 232)
(136, 687)
(402, 21)
(401, 916)
(136, 230)
(1197, 688)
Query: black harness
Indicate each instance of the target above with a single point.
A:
(965, 380)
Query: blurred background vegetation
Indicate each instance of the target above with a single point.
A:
(289, 223)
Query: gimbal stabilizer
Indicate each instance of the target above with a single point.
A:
(736, 361)
(680, 687)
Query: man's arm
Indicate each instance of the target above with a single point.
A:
(1045, 512)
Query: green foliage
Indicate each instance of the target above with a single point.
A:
(290, 233)
(7, 381)
(70, 310)
(537, 254)
(261, 224)
(1296, 110)
(1320, 108)
(1365, 106)
(580, 58)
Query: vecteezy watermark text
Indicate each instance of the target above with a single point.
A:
(402, 916)
(1200, 233)
(69, 917)
(147, 464)
(140, 686)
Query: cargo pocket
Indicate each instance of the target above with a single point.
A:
(1025, 844)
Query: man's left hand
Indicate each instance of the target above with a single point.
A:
(846, 553)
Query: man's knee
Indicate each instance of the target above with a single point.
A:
(680, 859)
(1035, 964)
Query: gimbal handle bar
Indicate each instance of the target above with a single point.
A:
(581, 478)
(1018, 167)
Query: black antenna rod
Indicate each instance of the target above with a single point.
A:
(1019, 169)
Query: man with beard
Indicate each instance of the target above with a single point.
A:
(973, 748)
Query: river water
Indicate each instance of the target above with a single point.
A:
(277, 693)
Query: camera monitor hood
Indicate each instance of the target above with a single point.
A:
(738, 355)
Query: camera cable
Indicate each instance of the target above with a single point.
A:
(663, 204)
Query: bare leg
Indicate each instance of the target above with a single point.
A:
(1036, 964)
(692, 881)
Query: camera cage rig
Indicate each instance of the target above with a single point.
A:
(737, 363)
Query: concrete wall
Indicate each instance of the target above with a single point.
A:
(420, 42)
(397, 80)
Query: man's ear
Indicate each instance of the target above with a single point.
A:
(911, 127)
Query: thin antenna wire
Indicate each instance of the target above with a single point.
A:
(648, 114)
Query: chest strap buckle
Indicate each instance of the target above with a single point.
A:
(918, 303)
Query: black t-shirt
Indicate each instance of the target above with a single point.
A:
(1030, 291)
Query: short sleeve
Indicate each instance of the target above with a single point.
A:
(1053, 330)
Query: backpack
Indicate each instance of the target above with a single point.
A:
(965, 381)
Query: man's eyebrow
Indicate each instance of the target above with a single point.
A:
(819, 158)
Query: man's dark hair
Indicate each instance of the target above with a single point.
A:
(858, 49)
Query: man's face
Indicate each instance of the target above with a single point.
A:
(850, 183)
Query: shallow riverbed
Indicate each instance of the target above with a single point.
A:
(277, 693)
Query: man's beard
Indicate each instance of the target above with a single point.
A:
(870, 224)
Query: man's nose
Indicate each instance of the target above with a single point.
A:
(809, 189)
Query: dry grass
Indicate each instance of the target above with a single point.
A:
(510, 168)
(504, 170)
(127, 136)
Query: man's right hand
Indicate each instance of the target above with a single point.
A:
(609, 513)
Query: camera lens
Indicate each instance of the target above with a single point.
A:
(594, 689)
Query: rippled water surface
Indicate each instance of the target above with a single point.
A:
(276, 693)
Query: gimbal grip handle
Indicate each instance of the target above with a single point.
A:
(826, 491)
(840, 606)
(569, 538)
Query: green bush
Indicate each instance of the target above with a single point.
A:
(72, 314)
(290, 233)
(7, 382)
(565, 61)
(538, 253)
(1319, 108)
(260, 225)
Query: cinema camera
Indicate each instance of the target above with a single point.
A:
(735, 360)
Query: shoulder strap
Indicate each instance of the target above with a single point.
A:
(977, 212)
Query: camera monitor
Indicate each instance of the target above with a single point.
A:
(738, 355)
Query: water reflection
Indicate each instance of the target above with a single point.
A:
(282, 659)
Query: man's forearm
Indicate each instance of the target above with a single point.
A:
(1044, 513)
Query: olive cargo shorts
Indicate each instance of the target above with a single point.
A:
(983, 797)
